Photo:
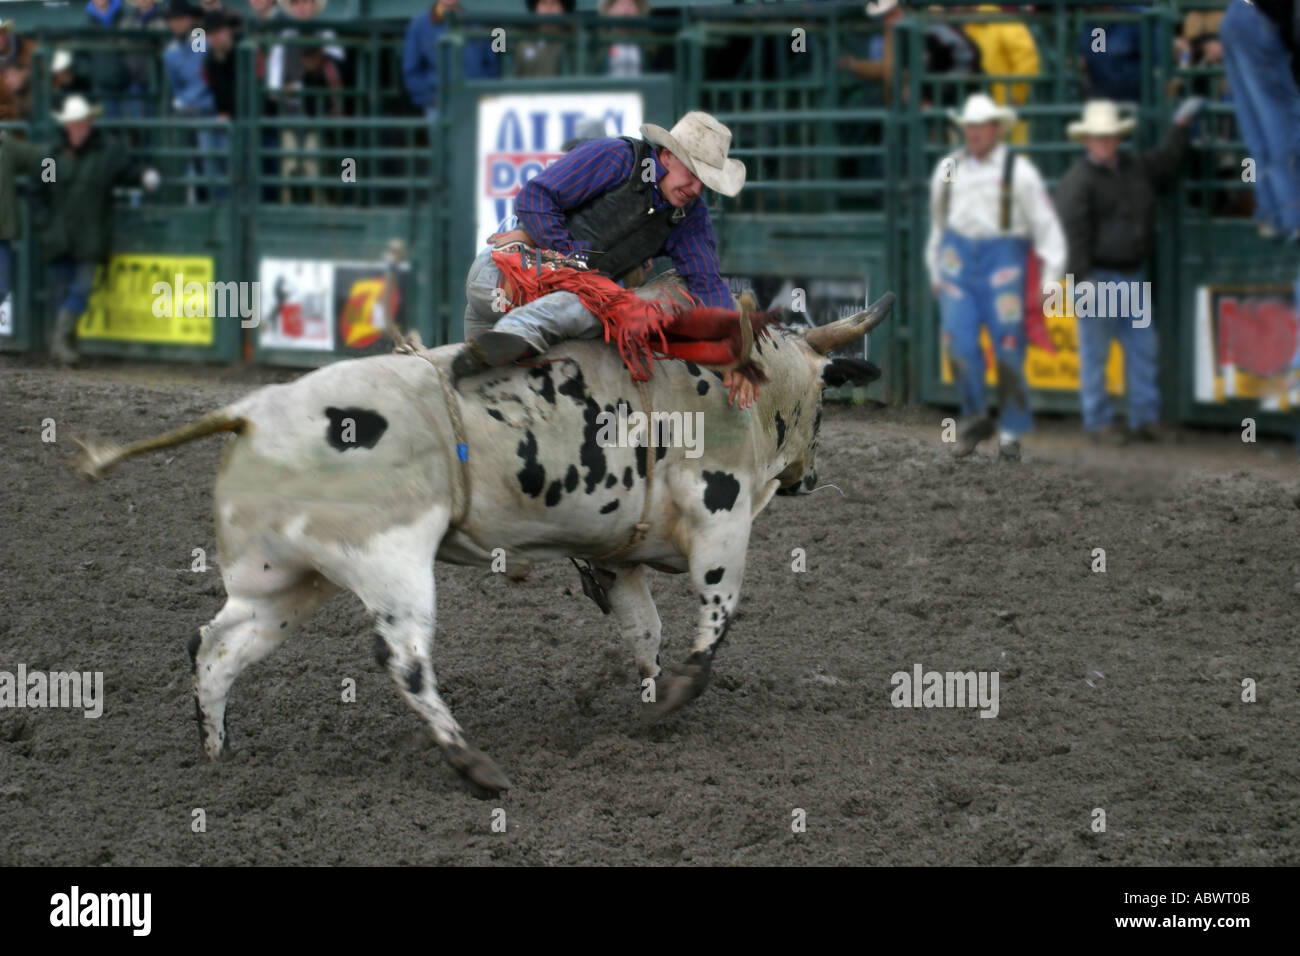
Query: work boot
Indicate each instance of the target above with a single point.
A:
(1009, 450)
(1109, 436)
(972, 433)
(1144, 434)
(489, 350)
(63, 346)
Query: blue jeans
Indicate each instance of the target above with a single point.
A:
(71, 280)
(213, 143)
(541, 323)
(1268, 111)
(1140, 362)
(981, 283)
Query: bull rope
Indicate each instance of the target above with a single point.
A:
(452, 401)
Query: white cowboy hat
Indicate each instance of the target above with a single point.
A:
(980, 108)
(1100, 118)
(286, 5)
(61, 60)
(701, 143)
(878, 8)
(75, 108)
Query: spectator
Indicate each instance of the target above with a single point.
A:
(878, 66)
(190, 96)
(633, 59)
(1259, 55)
(1106, 202)
(1006, 48)
(1111, 60)
(219, 74)
(108, 74)
(266, 14)
(987, 205)
(64, 78)
(147, 17)
(544, 57)
(420, 57)
(310, 84)
(947, 50)
(77, 223)
(17, 157)
(15, 74)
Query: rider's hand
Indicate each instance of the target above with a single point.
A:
(740, 390)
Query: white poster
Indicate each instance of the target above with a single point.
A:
(297, 304)
(7, 315)
(520, 134)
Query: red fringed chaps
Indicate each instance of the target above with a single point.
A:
(642, 329)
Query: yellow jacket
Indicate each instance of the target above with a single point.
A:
(1006, 48)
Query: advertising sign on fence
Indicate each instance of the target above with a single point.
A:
(153, 299)
(520, 134)
(1246, 339)
(318, 304)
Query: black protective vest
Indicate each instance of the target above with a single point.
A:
(622, 225)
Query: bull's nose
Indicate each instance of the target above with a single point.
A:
(810, 481)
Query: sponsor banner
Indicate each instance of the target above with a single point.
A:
(1246, 340)
(297, 304)
(323, 305)
(520, 134)
(368, 298)
(123, 301)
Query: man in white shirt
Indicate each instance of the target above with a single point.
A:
(986, 210)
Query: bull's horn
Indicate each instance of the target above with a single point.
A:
(826, 338)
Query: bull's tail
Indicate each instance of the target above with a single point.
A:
(97, 458)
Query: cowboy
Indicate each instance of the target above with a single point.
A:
(988, 206)
(77, 225)
(610, 203)
(1107, 204)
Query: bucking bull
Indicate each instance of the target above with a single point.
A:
(352, 477)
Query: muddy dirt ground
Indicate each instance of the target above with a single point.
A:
(1120, 691)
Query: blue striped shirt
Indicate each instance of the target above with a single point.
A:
(596, 167)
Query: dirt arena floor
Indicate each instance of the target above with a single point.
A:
(1119, 690)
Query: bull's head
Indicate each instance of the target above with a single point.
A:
(793, 398)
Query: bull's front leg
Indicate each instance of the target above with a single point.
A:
(718, 540)
(635, 613)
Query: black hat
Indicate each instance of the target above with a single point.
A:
(568, 5)
(220, 19)
(182, 8)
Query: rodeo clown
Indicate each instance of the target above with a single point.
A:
(595, 217)
(987, 205)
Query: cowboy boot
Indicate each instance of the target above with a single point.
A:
(972, 433)
(489, 350)
(63, 346)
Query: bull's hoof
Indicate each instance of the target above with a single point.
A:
(680, 685)
(477, 767)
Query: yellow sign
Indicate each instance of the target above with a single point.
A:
(124, 300)
(1043, 369)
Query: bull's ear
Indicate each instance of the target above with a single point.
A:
(855, 370)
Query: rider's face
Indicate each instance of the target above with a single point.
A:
(678, 184)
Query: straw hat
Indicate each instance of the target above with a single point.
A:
(701, 143)
(1100, 118)
(75, 109)
(878, 8)
(980, 108)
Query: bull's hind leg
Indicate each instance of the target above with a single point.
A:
(245, 630)
(393, 577)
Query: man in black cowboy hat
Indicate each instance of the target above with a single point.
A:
(541, 57)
